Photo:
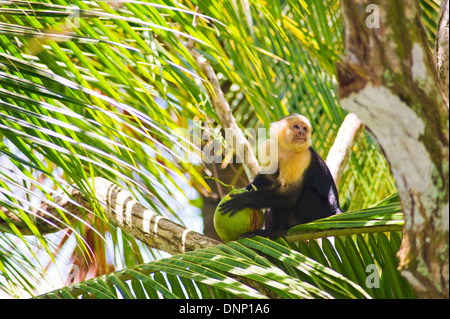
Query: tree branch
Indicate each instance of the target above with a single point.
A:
(339, 153)
(225, 115)
(224, 112)
(144, 224)
(124, 211)
(388, 78)
(441, 47)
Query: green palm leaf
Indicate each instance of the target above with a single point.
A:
(352, 266)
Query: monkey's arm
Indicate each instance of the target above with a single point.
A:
(258, 199)
(261, 181)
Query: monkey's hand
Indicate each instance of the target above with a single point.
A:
(236, 203)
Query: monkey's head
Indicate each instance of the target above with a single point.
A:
(293, 132)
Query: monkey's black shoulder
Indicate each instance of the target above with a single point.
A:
(318, 169)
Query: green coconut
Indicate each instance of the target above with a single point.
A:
(244, 221)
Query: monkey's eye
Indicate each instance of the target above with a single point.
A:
(296, 126)
(305, 128)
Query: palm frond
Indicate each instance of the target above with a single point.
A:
(261, 268)
(362, 265)
(223, 269)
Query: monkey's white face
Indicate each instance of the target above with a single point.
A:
(294, 133)
(299, 132)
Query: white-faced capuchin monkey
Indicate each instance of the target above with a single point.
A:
(301, 190)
